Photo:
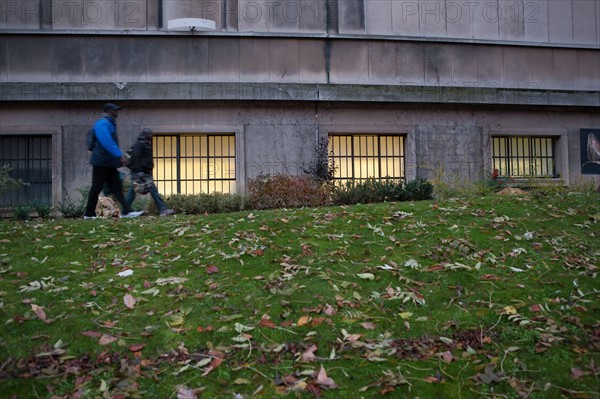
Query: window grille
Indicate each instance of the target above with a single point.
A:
(30, 159)
(194, 164)
(359, 157)
(522, 156)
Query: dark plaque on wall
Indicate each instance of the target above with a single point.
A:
(590, 151)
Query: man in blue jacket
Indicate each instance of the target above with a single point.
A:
(107, 157)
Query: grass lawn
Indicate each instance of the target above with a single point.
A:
(493, 297)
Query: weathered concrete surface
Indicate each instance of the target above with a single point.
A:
(434, 94)
(152, 59)
(573, 22)
(451, 142)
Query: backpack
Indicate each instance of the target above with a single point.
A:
(90, 139)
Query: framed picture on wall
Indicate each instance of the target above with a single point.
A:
(590, 151)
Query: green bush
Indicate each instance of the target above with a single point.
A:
(71, 208)
(373, 191)
(196, 204)
(283, 191)
(21, 211)
(368, 191)
(43, 210)
(418, 190)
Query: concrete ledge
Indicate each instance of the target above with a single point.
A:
(296, 35)
(227, 91)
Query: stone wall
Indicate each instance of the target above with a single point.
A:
(567, 22)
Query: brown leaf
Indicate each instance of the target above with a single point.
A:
(129, 301)
(216, 362)
(447, 356)
(136, 347)
(92, 334)
(212, 269)
(535, 308)
(368, 326)
(309, 354)
(324, 381)
(329, 310)
(186, 393)
(266, 322)
(303, 320)
(39, 311)
(107, 339)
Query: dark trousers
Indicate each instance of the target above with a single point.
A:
(110, 176)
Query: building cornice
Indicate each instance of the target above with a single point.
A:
(293, 92)
(294, 35)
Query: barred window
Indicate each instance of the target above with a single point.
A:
(523, 156)
(29, 158)
(358, 157)
(194, 164)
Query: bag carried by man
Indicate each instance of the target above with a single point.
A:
(142, 182)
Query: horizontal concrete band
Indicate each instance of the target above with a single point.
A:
(229, 91)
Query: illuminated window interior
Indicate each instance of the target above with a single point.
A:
(194, 164)
(521, 156)
(363, 156)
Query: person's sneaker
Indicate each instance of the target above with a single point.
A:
(131, 214)
(167, 212)
(90, 217)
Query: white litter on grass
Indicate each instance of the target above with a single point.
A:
(125, 273)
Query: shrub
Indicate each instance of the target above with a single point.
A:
(321, 169)
(71, 208)
(418, 190)
(283, 191)
(21, 211)
(8, 184)
(43, 210)
(196, 204)
(368, 191)
(373, 191)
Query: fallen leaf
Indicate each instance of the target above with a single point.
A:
(39, 312)
(92, 334)
(447, 356)
(368, 326)
(324, 381)
(309, 354)
(366, 276)
(216, 362)
(129, 301)
(212, 269)
(136, 347)
(303, 320)
(107, 339)
(266, 322)
(186, 393)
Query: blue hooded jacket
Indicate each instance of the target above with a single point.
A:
(106, 152)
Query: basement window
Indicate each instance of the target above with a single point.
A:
(194, 164)
(29, 158)
(524, 156)
(358, 157)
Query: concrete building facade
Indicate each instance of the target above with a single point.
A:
(402, 89)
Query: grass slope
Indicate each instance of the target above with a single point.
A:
(487, 297)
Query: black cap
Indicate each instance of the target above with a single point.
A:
(112, 106)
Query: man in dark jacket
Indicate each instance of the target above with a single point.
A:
(141, 165)
(106, 158)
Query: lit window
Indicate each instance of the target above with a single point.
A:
(363, 156)
(522, 156)
(29, 159)
(194, 164)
